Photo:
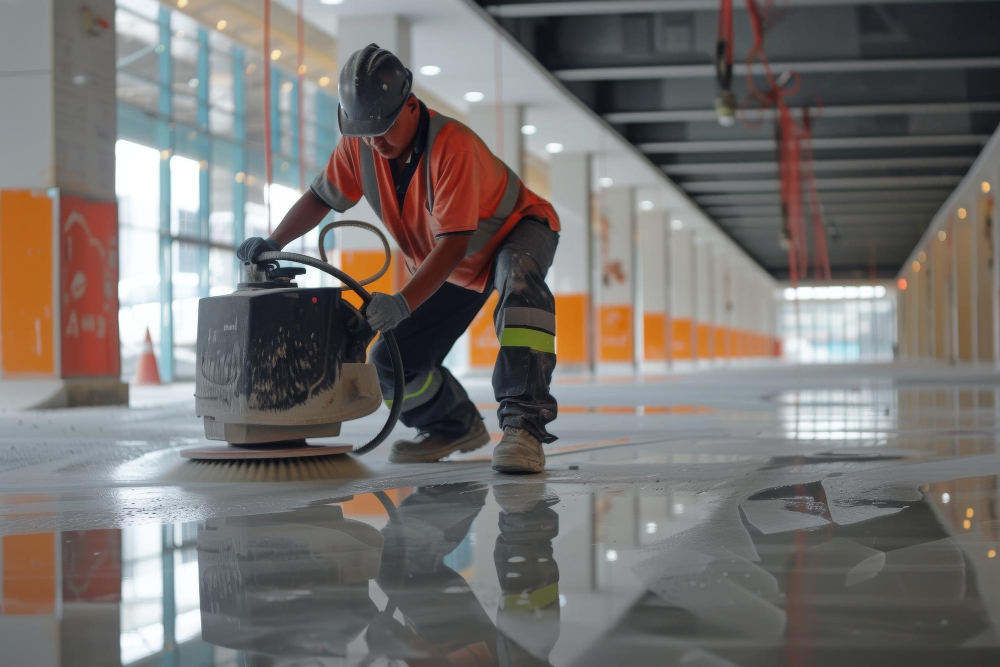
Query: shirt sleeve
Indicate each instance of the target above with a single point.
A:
(338, 185)
(456, 195)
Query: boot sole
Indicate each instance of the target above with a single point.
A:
(517, 466)
(438, 454)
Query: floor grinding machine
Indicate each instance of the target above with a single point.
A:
(278, 363)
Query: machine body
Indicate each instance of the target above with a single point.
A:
(276, 362)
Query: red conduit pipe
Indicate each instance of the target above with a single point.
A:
(268, 157)
(819, 229)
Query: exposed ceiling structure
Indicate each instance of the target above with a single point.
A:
(910, 93)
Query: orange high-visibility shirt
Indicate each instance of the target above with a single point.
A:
(468, 191)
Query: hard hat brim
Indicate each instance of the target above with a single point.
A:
(364, 127)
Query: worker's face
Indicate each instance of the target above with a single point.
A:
(398, 139)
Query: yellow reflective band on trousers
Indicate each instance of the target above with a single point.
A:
(418, 392)
(540, 599)
(538, 341)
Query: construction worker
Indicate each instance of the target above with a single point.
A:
(466, 226)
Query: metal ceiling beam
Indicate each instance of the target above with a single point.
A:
(636, 72)
(838, 111)
(768, 185)
(870, 164)
(755, 210)
(602, 7)
(860, 196)
(740, 223)
(740, 145)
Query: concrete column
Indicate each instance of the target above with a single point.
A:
(616, 287)
(720, 265)
(926, 322)
(500, 127)
(995, 272)
(682, 302)
(58, 215)
(653, 270)
(983, 236)
(572, 270)
(963, 259)
(705, 291)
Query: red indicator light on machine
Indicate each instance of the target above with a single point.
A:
(315, 300)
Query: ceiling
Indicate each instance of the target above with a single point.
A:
(910, 93)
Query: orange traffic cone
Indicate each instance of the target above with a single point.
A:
(146, 371)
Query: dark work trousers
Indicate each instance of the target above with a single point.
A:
(524, 320)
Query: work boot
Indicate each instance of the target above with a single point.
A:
(518, 452)
(435, 446)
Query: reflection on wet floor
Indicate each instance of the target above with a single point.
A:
(852, 523)
(528, 573)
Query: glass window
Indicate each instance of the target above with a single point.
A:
(222, 277)
(139, 240)
(184, 197)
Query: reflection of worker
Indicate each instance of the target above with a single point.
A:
(443, 619)
(528, 616)
(293, 584)
(466, 226)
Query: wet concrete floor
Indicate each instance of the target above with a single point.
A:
(756, 516)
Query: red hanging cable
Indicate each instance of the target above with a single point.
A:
(268, 157)
(819, 229)
(301, 70)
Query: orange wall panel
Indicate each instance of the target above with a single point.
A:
(27, 340)
(682, 339)
(572, 325)
(29, 574)
(654, 332)
(615, 339)
(721, 336)
(360, 264)
(89, 287)
(483, 344)
(704, 341)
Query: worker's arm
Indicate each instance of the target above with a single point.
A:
(301, 218)
(385, 311)
(434, 271)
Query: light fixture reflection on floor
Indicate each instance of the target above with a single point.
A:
(651, 528)
(611, 555)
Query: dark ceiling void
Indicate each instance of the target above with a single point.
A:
(902, 96)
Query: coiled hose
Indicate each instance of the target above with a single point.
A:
(357, 287)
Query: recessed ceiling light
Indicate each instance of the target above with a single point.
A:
(676, 224)
(605, 181)
(275, 54)
(430, 70)
(331, 2)
(324, 81)
(528, 130)
(192, 83)
(182, 3)
(646, 205)
(474, 96)
(554, 147)
(985, 186)
(221, 25)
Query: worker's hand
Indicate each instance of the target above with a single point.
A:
(386, 311)
(255, 245)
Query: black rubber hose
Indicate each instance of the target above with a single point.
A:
(390, 340)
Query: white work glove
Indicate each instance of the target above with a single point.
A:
(386, 311)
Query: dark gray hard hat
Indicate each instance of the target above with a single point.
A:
(374, 86)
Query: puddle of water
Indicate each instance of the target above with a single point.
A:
(519, 574)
